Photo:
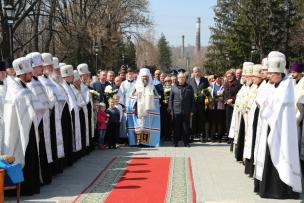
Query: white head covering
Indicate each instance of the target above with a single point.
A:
(145, 95)
(22, 66)
(83, 69)
(35, 59)
(276, 62)
(265, 63)
(257, 70)
(247, 68)
(47, 59)
(145, 72)
(76, 75)
(66, 71)
(61, 64)
(56, 63)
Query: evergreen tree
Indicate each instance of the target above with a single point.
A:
(130, 54)
(249, 30)
(164, 53)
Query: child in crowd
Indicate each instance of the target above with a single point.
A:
(123, 126)
(113, 124)
(101, 124)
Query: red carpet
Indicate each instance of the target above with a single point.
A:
(145, 180)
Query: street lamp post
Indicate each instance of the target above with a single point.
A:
(10, 14)
(123, 59)
(227, 60)
(96, 49)
(252, 51)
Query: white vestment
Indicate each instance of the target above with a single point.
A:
(299, 99)
(282, 138)
(72, 101)
(236, 115)
(262, 102)
(62, 98)
(83, 105)
(57, 102)
(85, 91)
(37, 89)
(2, 97)
(19, 115)
(251, 107)
(125, 89)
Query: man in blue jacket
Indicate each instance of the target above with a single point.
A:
(181, 107)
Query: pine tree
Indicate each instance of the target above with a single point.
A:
(249, 30)
(130, 54)
(164, 53)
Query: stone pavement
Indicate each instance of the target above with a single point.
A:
(217, 176)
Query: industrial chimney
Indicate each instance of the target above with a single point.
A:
(198, 35)
(183, 47)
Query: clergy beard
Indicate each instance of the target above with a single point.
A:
(57, 78)
(145, 82)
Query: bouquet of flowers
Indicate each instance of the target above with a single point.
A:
(95, 95)
(200, 93)
(218, 94)
(167, 90)
(109, 92)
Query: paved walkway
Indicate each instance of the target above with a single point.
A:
(217, 176)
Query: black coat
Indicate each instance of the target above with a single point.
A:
(181, 100)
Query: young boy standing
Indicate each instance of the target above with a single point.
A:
(113, 124)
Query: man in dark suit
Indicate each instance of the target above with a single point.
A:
(100, 86)
(198, 84)
(181, 107)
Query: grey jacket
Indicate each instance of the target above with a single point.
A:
(181, 100)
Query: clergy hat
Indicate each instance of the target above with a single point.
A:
(276, 62)
(66, 71)
(144, 72)
(276, 54)
(257, 70)
(83, 69)
(76, 75)
(22, 66)
(35, 59)
(265, 63)
(56, 63)
(47, 59)
(296, 67)
(2, 66)
(247, 68)
(61, 64)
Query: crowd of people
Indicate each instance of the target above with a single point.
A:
(52, 114)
